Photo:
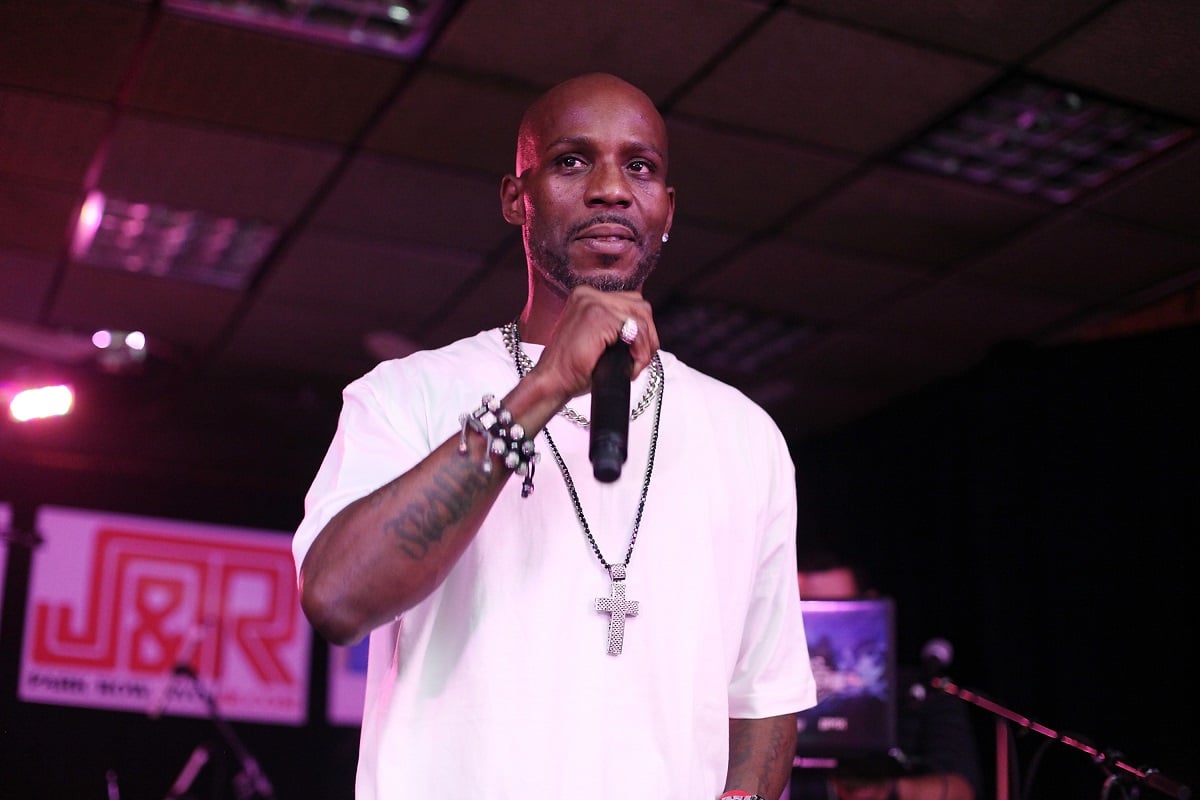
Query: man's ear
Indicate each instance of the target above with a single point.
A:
(512, 200)
(670, 208)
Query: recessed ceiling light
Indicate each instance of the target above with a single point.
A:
(400, 28)
(1034, 138)
(158, 240)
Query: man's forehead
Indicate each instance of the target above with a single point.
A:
(588, 124)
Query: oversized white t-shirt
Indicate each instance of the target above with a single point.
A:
(499, 684)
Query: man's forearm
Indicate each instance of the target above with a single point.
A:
(760, 754)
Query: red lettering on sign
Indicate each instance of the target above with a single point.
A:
(150, 596)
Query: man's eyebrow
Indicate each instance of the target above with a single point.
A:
(587, 141)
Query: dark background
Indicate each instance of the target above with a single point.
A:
(1036, 512)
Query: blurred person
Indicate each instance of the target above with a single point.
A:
(939, 752)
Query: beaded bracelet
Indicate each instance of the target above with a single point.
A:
(504, 437)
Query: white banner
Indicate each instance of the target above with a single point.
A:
(159, 616)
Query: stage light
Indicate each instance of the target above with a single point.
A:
(120, 351)
(41, 402)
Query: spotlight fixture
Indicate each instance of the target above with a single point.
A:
(119, 351)
(1035, 138)
(399, 28)
(162, 241)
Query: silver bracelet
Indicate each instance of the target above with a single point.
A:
(504, 437)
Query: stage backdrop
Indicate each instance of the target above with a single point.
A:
(124, 610)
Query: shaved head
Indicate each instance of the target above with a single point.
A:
(556, 103)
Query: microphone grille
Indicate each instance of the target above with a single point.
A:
(938, 651)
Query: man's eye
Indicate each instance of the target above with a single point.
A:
(641, 166)
(569, 161)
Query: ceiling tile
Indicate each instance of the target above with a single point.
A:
(740, 181)
(494, 297)
(263, 82)
(407, 280)
(77, 48)
(973, 316)
(1140, 50)
(692, 251)
(27, 279)
(307, 336)
(429, 122)
(1161, 194)
(820, 286)
(824, 83)
(919, 219)
(1085, 257)
(33, 217)
(1003, 30)
(173, 163)
(48, 138)
(400, 200)
(542, 47)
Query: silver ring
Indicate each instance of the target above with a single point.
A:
(629, 330)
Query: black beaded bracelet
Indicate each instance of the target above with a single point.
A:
(505, 438)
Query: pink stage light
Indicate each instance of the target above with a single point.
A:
(41, 402)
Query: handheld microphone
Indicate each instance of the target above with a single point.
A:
(609, 428)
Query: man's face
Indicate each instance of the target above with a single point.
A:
(593, 199)
(837, 583)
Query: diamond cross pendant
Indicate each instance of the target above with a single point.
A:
(617, 608)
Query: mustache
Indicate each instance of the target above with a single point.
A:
(607, 219)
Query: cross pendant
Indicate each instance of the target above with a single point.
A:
(617, 608)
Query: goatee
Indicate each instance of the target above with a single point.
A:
(554, 263)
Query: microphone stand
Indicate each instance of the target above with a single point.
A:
(250, 781)
(1109, 762)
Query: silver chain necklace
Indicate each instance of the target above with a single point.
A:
(525, 363)
(615, 605)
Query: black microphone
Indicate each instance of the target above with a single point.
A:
(936, 656)
(183, 666)
(610, 412)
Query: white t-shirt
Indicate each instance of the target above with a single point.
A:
(499, 684)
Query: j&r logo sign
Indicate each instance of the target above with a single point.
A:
(124, 611)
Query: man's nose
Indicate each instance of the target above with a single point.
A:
(609, 185)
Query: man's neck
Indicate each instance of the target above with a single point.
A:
(542, 310)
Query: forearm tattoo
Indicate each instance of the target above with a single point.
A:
(455, 487)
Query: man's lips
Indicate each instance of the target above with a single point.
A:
(606, 231)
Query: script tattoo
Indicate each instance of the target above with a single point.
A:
(420, 525)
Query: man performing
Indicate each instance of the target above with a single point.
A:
(554, 634)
